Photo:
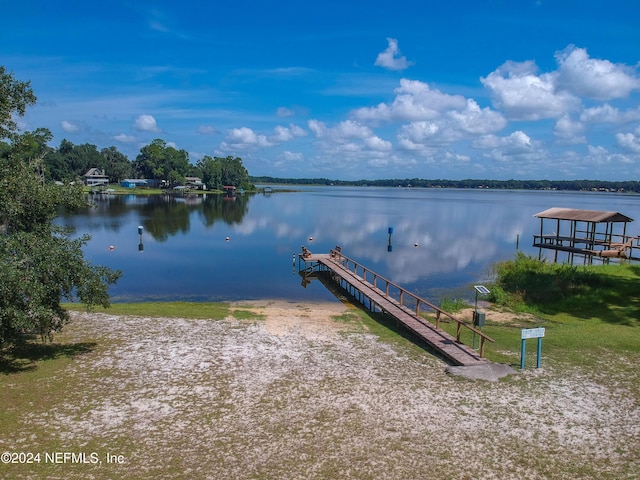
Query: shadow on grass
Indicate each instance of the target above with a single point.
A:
(615, 302)
(25, 357)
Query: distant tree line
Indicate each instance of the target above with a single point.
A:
(574, 185)
(160, 161)
(157, 161)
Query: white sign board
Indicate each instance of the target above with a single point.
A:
(532, 333)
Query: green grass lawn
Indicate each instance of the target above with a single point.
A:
(587, 312)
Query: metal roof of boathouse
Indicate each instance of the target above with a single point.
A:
(578, 215)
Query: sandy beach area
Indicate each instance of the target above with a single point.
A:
(307, 392)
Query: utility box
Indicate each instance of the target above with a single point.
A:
(479, 319)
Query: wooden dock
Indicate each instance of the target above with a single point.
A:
(392, 300)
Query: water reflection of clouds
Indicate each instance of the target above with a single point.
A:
(459, 235)
(273, 225)
(439, 239)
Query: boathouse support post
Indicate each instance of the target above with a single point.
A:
(541, 239)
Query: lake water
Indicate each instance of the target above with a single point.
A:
(444, 240)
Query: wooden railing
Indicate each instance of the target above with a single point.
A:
(390, 289)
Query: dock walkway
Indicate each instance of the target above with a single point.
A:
(444, 344)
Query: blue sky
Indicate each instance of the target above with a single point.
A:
(498, 89)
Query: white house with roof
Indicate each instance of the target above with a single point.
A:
(95, 178)
(195, 182)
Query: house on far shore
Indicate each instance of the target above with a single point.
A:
(95, 178)
(133, 183)
(142, 183)
(195, 183)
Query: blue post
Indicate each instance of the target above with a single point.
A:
(539, 352)
(523, 351)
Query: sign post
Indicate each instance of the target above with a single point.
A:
(478, 319)
(531, 333)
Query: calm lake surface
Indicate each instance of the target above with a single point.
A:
(444, 240)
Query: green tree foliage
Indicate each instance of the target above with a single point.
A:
(210, 172)
(15, 97)
(116, 165)
(233, 172)
(217, 172)
(162, 162)
(70, 162)
(41, 262)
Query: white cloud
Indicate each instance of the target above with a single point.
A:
(517, 139)
(569, 131)
(208, 130)
(524, 95)
(377, 143)
(69, 127)
(594, 78)
(292, 156)
(629, 141)
(318, 128)
(284, 112)
(344, 131)
(285, 134)
(349, 137)
(518, 145)
(598, 156)
(436, 119)
(608, 114)
(351, 129)
(391, 59)
(146, 123)
(475, 120)
(124, 138)
(418, 135)
(244, 138)
(414, 101)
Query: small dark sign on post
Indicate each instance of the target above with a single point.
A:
(531, 333)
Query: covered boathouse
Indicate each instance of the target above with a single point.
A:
(587, 233)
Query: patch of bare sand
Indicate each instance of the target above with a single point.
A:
(313, 320)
